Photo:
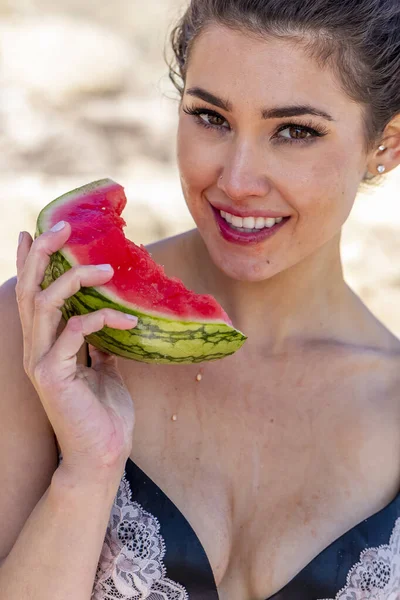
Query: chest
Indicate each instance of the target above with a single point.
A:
(268, 470)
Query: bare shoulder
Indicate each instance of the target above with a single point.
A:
(28, 455)
(388, 353)
(380, 366)
(393, 365)
(376, 354)
(169, 244)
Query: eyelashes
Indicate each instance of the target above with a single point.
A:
(314, 131)
(199, 112)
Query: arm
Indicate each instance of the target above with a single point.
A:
(57, 552)
(52, 529)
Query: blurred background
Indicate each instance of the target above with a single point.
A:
(85, 95)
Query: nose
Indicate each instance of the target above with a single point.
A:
(243, 174)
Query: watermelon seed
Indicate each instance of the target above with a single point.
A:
(103, 208)
(199, 377)
(174, 418)
(130, 269)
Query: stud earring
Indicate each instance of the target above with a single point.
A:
(382, 148)
(381, 168)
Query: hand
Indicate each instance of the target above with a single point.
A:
(90, 409)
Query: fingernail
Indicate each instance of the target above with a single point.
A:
(58, 226)
(104, 267)
(130, 317)
(20, 238)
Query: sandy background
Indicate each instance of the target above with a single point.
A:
(85, 95)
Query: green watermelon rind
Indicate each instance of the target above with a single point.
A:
(189, 342)
(155, 339)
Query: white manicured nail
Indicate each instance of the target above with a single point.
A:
(58, 226)
(104, 267)
(130, 317)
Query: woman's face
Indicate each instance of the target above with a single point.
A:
(265, 134)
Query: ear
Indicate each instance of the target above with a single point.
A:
(389, 156)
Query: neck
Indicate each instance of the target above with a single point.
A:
(306, 302)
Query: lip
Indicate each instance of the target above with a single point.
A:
(241, 238)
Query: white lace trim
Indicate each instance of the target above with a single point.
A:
(131, 561)
(377, 574)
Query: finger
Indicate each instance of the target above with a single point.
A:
(33, 259)
(49, 302)
(106, 363)
(25, 315)
(39, 254)
(98, 358)
(62, 357)
(24, 245)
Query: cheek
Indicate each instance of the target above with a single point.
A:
(326, 192)
(197, 164)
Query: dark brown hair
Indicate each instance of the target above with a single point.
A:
(358, 39)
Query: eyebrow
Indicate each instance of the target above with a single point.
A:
(271, 113)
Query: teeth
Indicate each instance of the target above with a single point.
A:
(237, 221)
(248, 224)
(260, 223)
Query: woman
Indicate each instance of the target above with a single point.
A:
(284, 458)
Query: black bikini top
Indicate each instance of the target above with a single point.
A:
(151, 552)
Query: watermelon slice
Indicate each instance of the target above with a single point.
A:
(175, 325)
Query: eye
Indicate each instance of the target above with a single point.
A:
(296, 133)
(207, 118)
(214, 120)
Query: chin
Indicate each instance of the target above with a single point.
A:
(242, 268)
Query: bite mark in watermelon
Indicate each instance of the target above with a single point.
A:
(175, 325)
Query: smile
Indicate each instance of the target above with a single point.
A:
(249, 230)
(249, 224)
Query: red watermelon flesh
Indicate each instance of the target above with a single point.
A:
(97, 237)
